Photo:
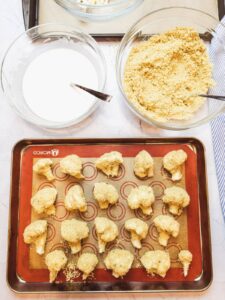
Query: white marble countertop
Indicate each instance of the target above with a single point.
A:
(111, 120)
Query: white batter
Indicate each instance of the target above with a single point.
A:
(46, 85)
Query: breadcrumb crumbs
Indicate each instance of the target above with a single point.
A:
(163, 74)
(71, 272)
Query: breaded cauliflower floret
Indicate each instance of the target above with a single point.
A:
(106, 231)
(143, 165)
(55, 261)
(43, 201)
(156, 262)
(185, 257)
(73, 231)
(173, 162)
(72, 165)
(109, 163)
(176, 198)
(166, 226)
(43, 167)
(36, 233)
(105, 194)
(75, 199)
(86, 263)
(119, 261)
(138, 230)
(141, 197)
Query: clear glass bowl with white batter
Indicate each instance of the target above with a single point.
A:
(211, 31)
(103, 10)
(39, 67)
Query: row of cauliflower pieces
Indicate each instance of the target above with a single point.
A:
(109, 163)
(106, 194)
(119, 261)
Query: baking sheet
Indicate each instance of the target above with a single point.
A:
(45, 11)
(31, 269)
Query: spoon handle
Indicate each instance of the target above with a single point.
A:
(97, 94)
(217, 97)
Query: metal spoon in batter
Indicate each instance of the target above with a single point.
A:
(102, 96)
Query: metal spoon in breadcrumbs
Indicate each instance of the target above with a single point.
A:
(216, 97)
(101, 96)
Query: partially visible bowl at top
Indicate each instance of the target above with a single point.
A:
(213, 35)
(103, 10)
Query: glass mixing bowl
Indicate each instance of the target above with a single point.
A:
(99, 12)
(211, 32)
(30, 45)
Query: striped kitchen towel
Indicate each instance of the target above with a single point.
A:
(218, 138)
(218, 125)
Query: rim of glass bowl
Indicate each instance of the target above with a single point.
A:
(99, 17)
(108, 5)
(127, 37)
(75, 32)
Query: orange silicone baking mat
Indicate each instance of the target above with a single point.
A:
(31, 268)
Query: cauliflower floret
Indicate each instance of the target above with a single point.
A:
(72, 165)
(185, 257)
(141, 197)
(36, 233)
(55, 261)
(106, 230)
(73, 231)
(105, 194)
(86, 263)
(43, 201)
(119, 261)
(156, 262)
(166, 226)
(138, 230)
(143, 164)
(43, 167)
(75, 199)
(109, 163)
(177, 198)
(173, 162)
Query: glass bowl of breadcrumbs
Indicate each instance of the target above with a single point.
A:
(166, 61)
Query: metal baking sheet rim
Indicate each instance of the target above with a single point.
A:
(14, 285)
